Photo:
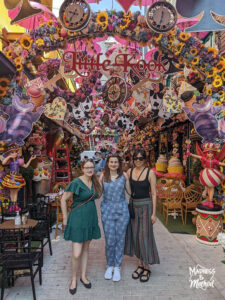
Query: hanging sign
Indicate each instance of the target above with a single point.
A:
(83, 64)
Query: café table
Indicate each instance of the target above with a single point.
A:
(10, 224)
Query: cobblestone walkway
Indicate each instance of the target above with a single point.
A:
(169, 280)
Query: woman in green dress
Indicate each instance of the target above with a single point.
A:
(82, 224)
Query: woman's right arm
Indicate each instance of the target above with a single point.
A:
(66, 196)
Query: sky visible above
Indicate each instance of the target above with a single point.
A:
(103, 5)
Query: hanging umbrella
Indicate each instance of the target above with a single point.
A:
(33, 21)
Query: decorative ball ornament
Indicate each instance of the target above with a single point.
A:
(114, 92)
(161, 16)
(74, 14)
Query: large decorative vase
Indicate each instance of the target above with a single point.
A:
(209, 223)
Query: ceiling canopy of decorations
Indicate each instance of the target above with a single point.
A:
(134, 87)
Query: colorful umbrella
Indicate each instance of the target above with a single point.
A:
(33, 21)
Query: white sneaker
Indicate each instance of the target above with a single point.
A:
(108, 273)
(116, 274)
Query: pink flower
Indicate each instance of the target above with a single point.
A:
(25, 53)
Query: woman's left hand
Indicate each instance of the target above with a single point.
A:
(153, 218)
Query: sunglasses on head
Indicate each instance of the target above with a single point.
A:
(141, 158)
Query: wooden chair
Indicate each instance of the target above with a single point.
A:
(173, 200)
(161, 188)
(192, 196)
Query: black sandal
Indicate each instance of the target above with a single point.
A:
(136, 272)
(145, 275)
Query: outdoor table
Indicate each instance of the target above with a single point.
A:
(10, 224)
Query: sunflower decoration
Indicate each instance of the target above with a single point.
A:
(220, 66)
(217, 103)
(211, 73)
(17, 60)
(222, 95)
(193, 51)
(39, 42)
(183, 36)
(2, 92)
(19, 67)
(49, 23)
(9, 54)
(157, 37)
(125, 23)
(4, 83)
(102, 19)
(26, 42)
(203, 67)
(213, 51)
(223, 75)
(217, 82)
(195, 60)
(209, 91)
(179, 48)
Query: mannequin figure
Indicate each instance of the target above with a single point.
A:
(210, 176)
(14, 181)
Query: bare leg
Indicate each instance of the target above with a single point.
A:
(138, 270)
(211, 193)
(76, 254)
(84, 260)
(14, 195)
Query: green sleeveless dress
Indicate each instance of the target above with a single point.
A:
(82, 224)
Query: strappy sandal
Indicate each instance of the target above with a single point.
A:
(138, 273)
(145, 275)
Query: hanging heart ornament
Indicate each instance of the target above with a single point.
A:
(56, 110)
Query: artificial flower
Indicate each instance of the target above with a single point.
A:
(179, 48)
(221, 94)
(39, 42)
(125, 23)
(2, 93)
(217, 82)
(102, 19)
(193, 51)
(220, 66)
(184, 36)
(210, 73)
(9, 54)
(195, 60)
(223, 75)
(209, 91)
(19, 67)
(4, 83)
(157, 37)
(17, 60)
(26, 42)
(213, 51)
(217, 103)
(49, 23)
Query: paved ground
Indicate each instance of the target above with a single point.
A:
(169, 280)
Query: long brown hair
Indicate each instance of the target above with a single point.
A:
(107, 170)
(94, 178)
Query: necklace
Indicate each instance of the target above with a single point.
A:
(114, 177)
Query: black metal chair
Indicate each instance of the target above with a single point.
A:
(16, 254)
(40, 211)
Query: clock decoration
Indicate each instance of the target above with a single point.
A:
(114, 92)
(74, 14)
(161, 16)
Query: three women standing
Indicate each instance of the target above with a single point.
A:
(140, 238)
(115, 214)
(82, 225)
